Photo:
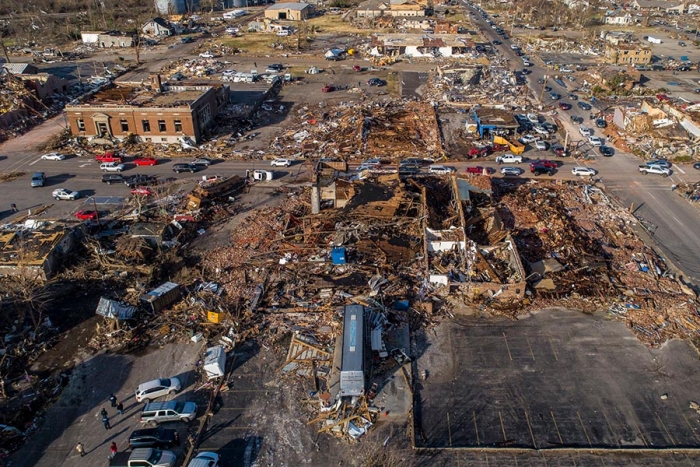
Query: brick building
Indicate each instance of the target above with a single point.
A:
(162, 113)
(627, 54)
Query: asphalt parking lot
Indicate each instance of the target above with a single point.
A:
(557, 379)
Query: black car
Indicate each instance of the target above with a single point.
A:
(178, 168)
(573, 97)
(275, 67)
(584, 105)
(601, 123)
(497, 42)
(140, 180)
(112, 178)
(186, 40)
(526, 71)
(606, 151)
(376, 82)
(154, 438)
(551, 128)
(576, 119)
(696, 166)
(541, 170)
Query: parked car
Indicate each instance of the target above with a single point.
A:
(87, 215)
(111, 167)
(526, 139)
(533, 118)
(606, 151)
(373, 161)
(202, 161)
(417, 161)
(274, 68)
(65, 194)
(550, 127)
(509, 159)
(53, 156)
(584, 105)
(477, 169)
(585, 131)
(207, 55)
(601, 123)
(497, 42)
(281, 163)
(143, 457)
(112, 178)
(564, 106)
(376, 82)
(559, 150)
(154, 438)
(696, 166)
(145, 161)
(507, 170)
(545, 163)
(186, 40)
(595, 141)
(587, 171)
(655, 169)
(156, 413)
(157, 388)
(205, 459)
(38, 179)
(576, 119)
(139, 180)
(573, 96)
(141, 191)
(554, 96)
(660, 162)
(440, 170)
(109, 157)
(541, 145)
(541, 170)
(178, 168)
(328, 88)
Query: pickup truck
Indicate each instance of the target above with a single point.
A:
(655, 169)
(509, 159)
(144, 457)
(109, 157)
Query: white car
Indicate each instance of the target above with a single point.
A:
(510, 170)
(228, 73)
(541, 130)
(374, 161)
(53, 156)
(514, 47)
(232, 30)
(585, 131)
(509, 159)
(281, 163)
(150, 390)
(533, 118)
(206, 55)
(111, 167)
(205, 459)
(65, 193)
(440, 170)
(587, 171)
(595, 141)
(283, 33)
(525, 139)
(541, 145)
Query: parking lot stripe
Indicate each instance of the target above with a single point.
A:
(644, 440)
(476, 429)
(665, 429)
(692, 430)
(449, 429)
(551, 344)
(584, 428)
(507, 347)
(611, 429)
(561, 441)
(527, 418)
(531, 352)
(503, 428)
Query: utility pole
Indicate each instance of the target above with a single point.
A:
(138, 40)
(4, 50)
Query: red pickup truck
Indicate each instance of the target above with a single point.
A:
(544, 163)
(109, 157)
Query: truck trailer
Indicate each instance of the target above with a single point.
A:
(352, 374)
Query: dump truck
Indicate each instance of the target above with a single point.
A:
(515, 147)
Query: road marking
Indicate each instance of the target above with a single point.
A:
(584, 428)
(680, 170)
(665, 429)
(476, 428)
(449, 428)
(531, 352)
(532, 435)
(611, 429)
(84, 165)
(551, 344)
(507, 346)
(503, 428)
(644, 440)
(32, 163)
(561, 441)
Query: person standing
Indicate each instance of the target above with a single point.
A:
(103, 412)
(81, 449)
(13, 206)
(120, 408)
(113, 450)
(113, 400)
(105, 420)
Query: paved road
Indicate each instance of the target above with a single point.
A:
(674, 222)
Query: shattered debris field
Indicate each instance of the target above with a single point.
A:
(557, 379)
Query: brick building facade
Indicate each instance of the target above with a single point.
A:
(155, 116)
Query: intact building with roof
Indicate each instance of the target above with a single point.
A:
(159, 113)
(289, 11)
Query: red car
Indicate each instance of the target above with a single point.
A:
(564, 106)
(142, 191)
(86, 215)
(328, 88)
(479, 152)
(475, 170)
(145, 161)
(357, 68)
(544, 163)
(109, 157)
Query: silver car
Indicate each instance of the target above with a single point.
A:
(156, 413)
(510, 171)
(157, 388)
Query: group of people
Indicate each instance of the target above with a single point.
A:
(113, 449)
